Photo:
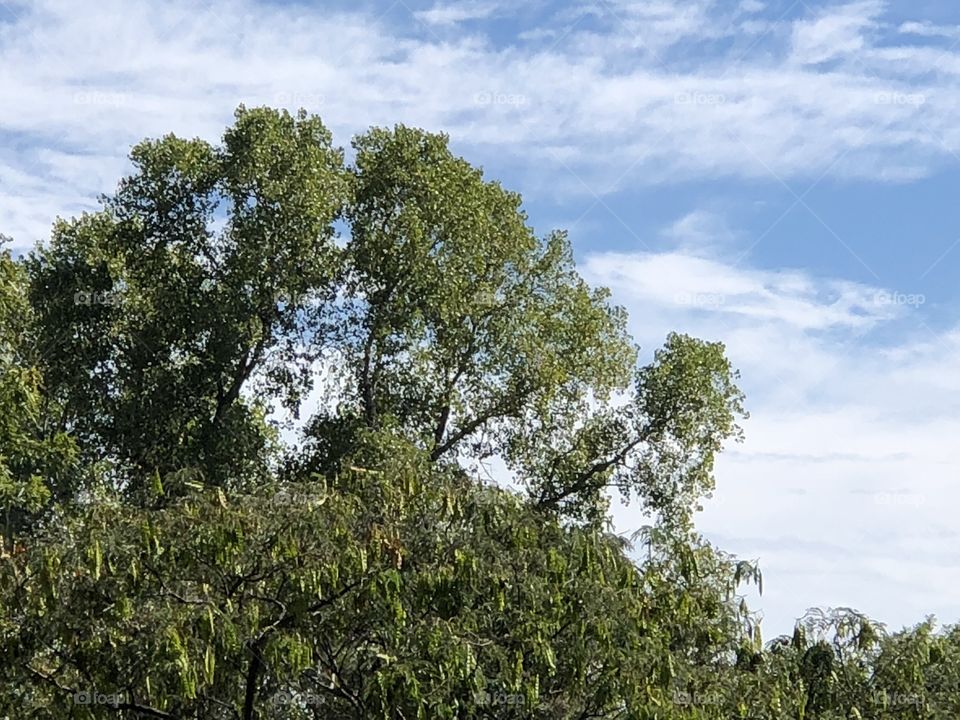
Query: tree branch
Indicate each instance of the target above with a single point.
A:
(582, 481)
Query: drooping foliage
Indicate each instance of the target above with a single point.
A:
(37, 458)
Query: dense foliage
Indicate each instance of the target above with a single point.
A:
(165, 555)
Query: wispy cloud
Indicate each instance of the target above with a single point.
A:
(577, 103)
(848, 434)
(447, 14)
(928, 29)
(837, 32)
(790, 299)
(700, 231)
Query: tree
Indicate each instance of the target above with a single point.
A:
(36, 459)
(177, 314)
(457, 334)
(165, 557)
(473, 338)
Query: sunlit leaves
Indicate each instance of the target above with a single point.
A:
(474, 607)
(174, 316)
(159, 551)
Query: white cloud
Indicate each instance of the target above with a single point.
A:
(700, 230)
(845, 488)
(591, 105)
(681, 281)
(453, 13)
(837, 32)
(928, 29)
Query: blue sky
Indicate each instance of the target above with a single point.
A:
(777, 175)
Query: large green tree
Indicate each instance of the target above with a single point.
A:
(166, 557)
(466, 333)
(176, 315)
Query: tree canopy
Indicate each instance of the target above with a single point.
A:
(166, 555)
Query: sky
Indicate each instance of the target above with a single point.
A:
(776, 175)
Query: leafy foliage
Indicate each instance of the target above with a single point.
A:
(165, 556)
(36, 458)
(196, 278)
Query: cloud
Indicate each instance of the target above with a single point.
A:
(659, 24)
(454, 13)
(626, 95)
(835, 33)
(845, 487)
(928, 29)
(700, 230)
(788, 299)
